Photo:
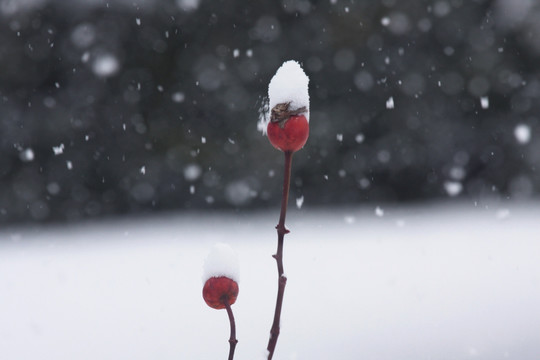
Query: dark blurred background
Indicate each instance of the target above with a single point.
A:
(123, 107)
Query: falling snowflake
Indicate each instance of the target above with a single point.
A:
(58, 149)
(484, 102)
(390, 103)
(299, 202)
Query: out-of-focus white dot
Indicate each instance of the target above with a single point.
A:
(238, 193)
(364, 183)
(457, 173)
(85, 57)
(363, 80)
(522, 133)
(441, 8)
(192, 172)
(449, 51)
(26, 155)
(384, 156)
(188, 5)
(424, 25)
(53, 188)
(83, 35)
(178, 97)
(400, 23)
(49, 102)
(105, 65)
(453, 188)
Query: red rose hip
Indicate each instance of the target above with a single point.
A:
(290, 134)
(217, 290)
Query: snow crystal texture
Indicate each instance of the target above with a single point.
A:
(221, 261)
(290, 84)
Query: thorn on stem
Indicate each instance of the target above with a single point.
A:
(282, 229)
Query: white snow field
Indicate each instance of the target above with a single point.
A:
(429, 282)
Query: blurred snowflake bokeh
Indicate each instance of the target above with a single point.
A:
(122, 107)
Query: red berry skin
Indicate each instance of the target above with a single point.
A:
(218, 289)
(292, 136)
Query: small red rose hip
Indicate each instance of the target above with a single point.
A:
(290, 135)
(218, 289)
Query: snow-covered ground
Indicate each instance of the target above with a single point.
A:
(432, 282)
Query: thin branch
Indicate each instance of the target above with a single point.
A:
(282, 280)
(232, 339)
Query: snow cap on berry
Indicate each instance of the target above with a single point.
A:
(221, 261)
(290, 85)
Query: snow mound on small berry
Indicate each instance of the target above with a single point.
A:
(290, 84)
(221, 261)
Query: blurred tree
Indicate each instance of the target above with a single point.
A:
(119, 107)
